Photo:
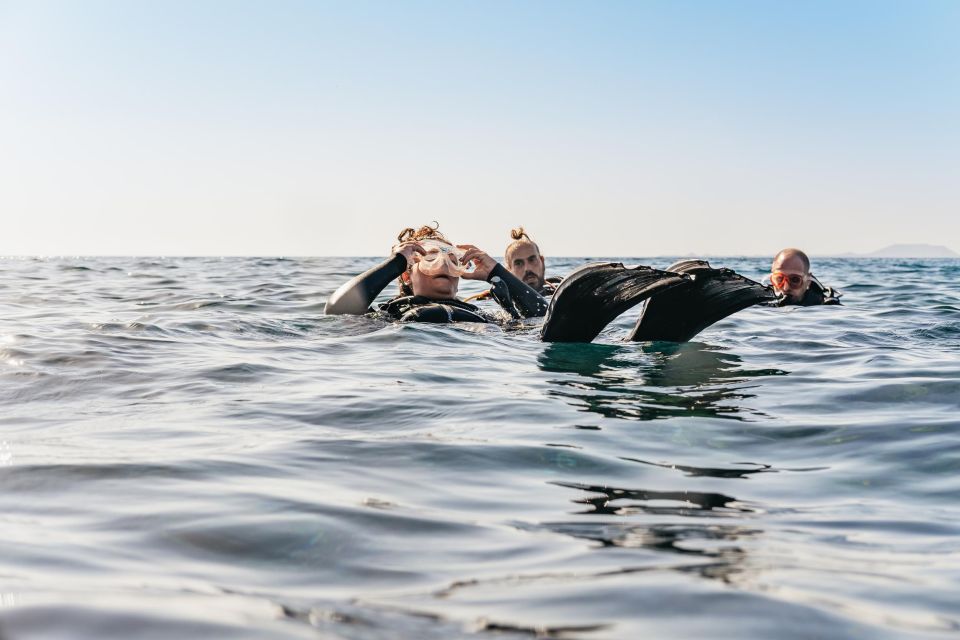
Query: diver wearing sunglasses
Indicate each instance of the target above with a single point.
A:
(428, 268)
(791, 278)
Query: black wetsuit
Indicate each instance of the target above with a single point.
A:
(356, 296)
(816, 295)
(550, 285)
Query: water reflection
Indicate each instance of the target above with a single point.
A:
(722, 472)
(654, 381)
(721, 545)
(611, 501)
(711, 472)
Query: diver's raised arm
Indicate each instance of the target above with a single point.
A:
(355, 296)
(527, 301)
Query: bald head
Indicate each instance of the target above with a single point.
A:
(790, 274)
(794, 256)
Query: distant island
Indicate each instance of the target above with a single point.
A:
(909, 251)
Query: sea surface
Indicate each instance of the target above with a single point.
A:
(189, 448)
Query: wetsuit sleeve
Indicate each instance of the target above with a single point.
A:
(528, 302)
(355, 296)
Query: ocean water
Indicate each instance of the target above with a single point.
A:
(190, 449)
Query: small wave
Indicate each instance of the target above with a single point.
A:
(240, 372)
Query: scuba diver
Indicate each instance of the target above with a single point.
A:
(791, 278)
(428, 268)
(524, 260)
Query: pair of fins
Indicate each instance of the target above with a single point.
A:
(679, 303)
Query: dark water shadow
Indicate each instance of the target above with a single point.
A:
(616, 501)
(717, 544)
(751, 468)
(653, 381)
(711, 472)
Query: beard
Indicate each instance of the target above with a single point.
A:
(535, 280)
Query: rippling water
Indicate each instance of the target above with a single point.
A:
(189, 448)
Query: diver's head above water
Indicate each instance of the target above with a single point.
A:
(790, 274)
(524, 260)
(435, 265)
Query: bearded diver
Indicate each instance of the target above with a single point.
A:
(524, 260)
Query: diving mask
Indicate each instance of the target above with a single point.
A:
(780, 279)
(441, 257)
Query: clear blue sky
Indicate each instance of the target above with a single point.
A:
(606, 128)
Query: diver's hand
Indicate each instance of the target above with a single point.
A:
(408, 250)
(483, 263)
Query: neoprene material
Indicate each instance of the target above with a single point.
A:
(356, 295)
(712, 295)
(421, 309)
(501, 293)
(548, 289)
(550, 286)
(816, 295)
(526, 301)
(593, 295)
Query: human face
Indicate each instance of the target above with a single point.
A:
(526, 263)
(441, 256)
(789, 278)
(439, 278)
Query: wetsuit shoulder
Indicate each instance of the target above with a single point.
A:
(355, 296)
(818, 294)
(423, 309)
(550, 286)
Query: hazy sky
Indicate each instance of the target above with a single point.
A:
(606, 128)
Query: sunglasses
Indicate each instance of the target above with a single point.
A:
(781, 279)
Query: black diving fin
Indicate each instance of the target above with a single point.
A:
(713, 294)
(592, 296)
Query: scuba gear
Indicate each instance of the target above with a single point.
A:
(441, 258)
(780, 279)
(711, 295)
(592, 296)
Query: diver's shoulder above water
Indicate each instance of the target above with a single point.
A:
(817, 294)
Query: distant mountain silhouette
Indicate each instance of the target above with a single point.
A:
(913, 251)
